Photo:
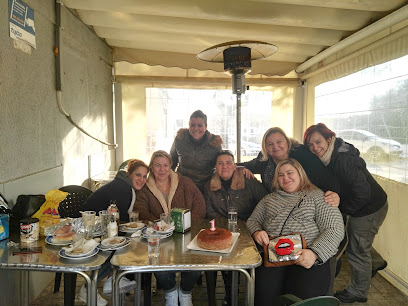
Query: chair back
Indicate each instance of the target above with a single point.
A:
(289, 299)
(70, 206)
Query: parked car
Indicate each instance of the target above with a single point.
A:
(247, 148)
(373, 147)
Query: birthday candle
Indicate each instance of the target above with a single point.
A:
(212, 225)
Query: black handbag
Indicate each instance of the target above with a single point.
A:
(26, 205)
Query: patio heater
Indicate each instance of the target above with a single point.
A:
(237, 57)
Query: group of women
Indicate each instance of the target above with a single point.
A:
(308, 184)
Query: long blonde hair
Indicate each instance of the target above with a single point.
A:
(305, 183)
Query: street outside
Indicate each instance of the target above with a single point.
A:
(395, 168)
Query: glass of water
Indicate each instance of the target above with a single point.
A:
(232, 216)
(153, 246)
(88, 217)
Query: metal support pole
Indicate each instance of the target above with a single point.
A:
(238, 127)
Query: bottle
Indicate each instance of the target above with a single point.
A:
(112, 227)
(113, 210)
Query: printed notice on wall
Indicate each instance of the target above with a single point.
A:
(22, 22)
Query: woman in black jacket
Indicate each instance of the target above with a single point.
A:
(361, 198)
(276, 146)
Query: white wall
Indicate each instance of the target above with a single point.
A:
(40, 149)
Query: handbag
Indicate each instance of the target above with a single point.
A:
(281, 249)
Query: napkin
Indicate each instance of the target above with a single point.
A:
(82, 246)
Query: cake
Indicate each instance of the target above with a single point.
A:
(218, 239)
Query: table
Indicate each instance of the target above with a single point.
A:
(49, 261)
(174, 256)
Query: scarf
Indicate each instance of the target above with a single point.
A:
(327, 156)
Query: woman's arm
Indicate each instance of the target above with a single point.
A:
(197, 204)
(174, 155)
(331, 229)
(256, 219)
(255, 165)
(142, 205)
(348, 168)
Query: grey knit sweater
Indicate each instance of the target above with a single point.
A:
(320, 224)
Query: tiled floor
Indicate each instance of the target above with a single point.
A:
(380, 293)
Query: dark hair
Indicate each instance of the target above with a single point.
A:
(320, 128)
(133, 164)
(199, 114)
(225, 152)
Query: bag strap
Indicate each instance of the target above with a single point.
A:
(296, 205)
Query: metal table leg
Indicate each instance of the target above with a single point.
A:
(69, 288)
(25, 285)
(234, 289)
(211, 279)
(138, 289)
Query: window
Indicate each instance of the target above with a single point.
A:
(168, 110)
(370, 109)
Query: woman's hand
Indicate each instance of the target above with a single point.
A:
(261, 237)
(332, 198)
(306, 259)
(248, 174)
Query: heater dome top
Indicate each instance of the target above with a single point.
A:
(259, 50)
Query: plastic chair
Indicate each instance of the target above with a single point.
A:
(77, 195)
(69, 208)
(290, 299)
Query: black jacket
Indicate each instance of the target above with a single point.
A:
(119, 190)
(195, 159)
(316, 171)
(360, 194)
(244, 194)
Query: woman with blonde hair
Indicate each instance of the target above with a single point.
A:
(277, 146)
(163, 191)
(296, 206)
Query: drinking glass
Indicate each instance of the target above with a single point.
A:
(104, 217)
(232, 215)
(133, 218)
(165, 218)
(153, 246)
(88, 217)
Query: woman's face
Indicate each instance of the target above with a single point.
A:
(197, 128)
(138, 177)
(277, 147)
(289, 178)
(161, 168)
(318, 144)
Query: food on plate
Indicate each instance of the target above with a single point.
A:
(78, 251)
(116, 240)
(218, 239)
(64, 233)
(63, 230)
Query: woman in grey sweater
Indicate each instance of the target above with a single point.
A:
(296, 205)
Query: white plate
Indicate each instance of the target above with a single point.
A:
(62, 253)
(104, 248)
(169, 230)
(112, 242)
(194, 246)
(125, 227)
(50, 239)
(162, 236)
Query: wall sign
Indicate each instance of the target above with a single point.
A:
(22, 22)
